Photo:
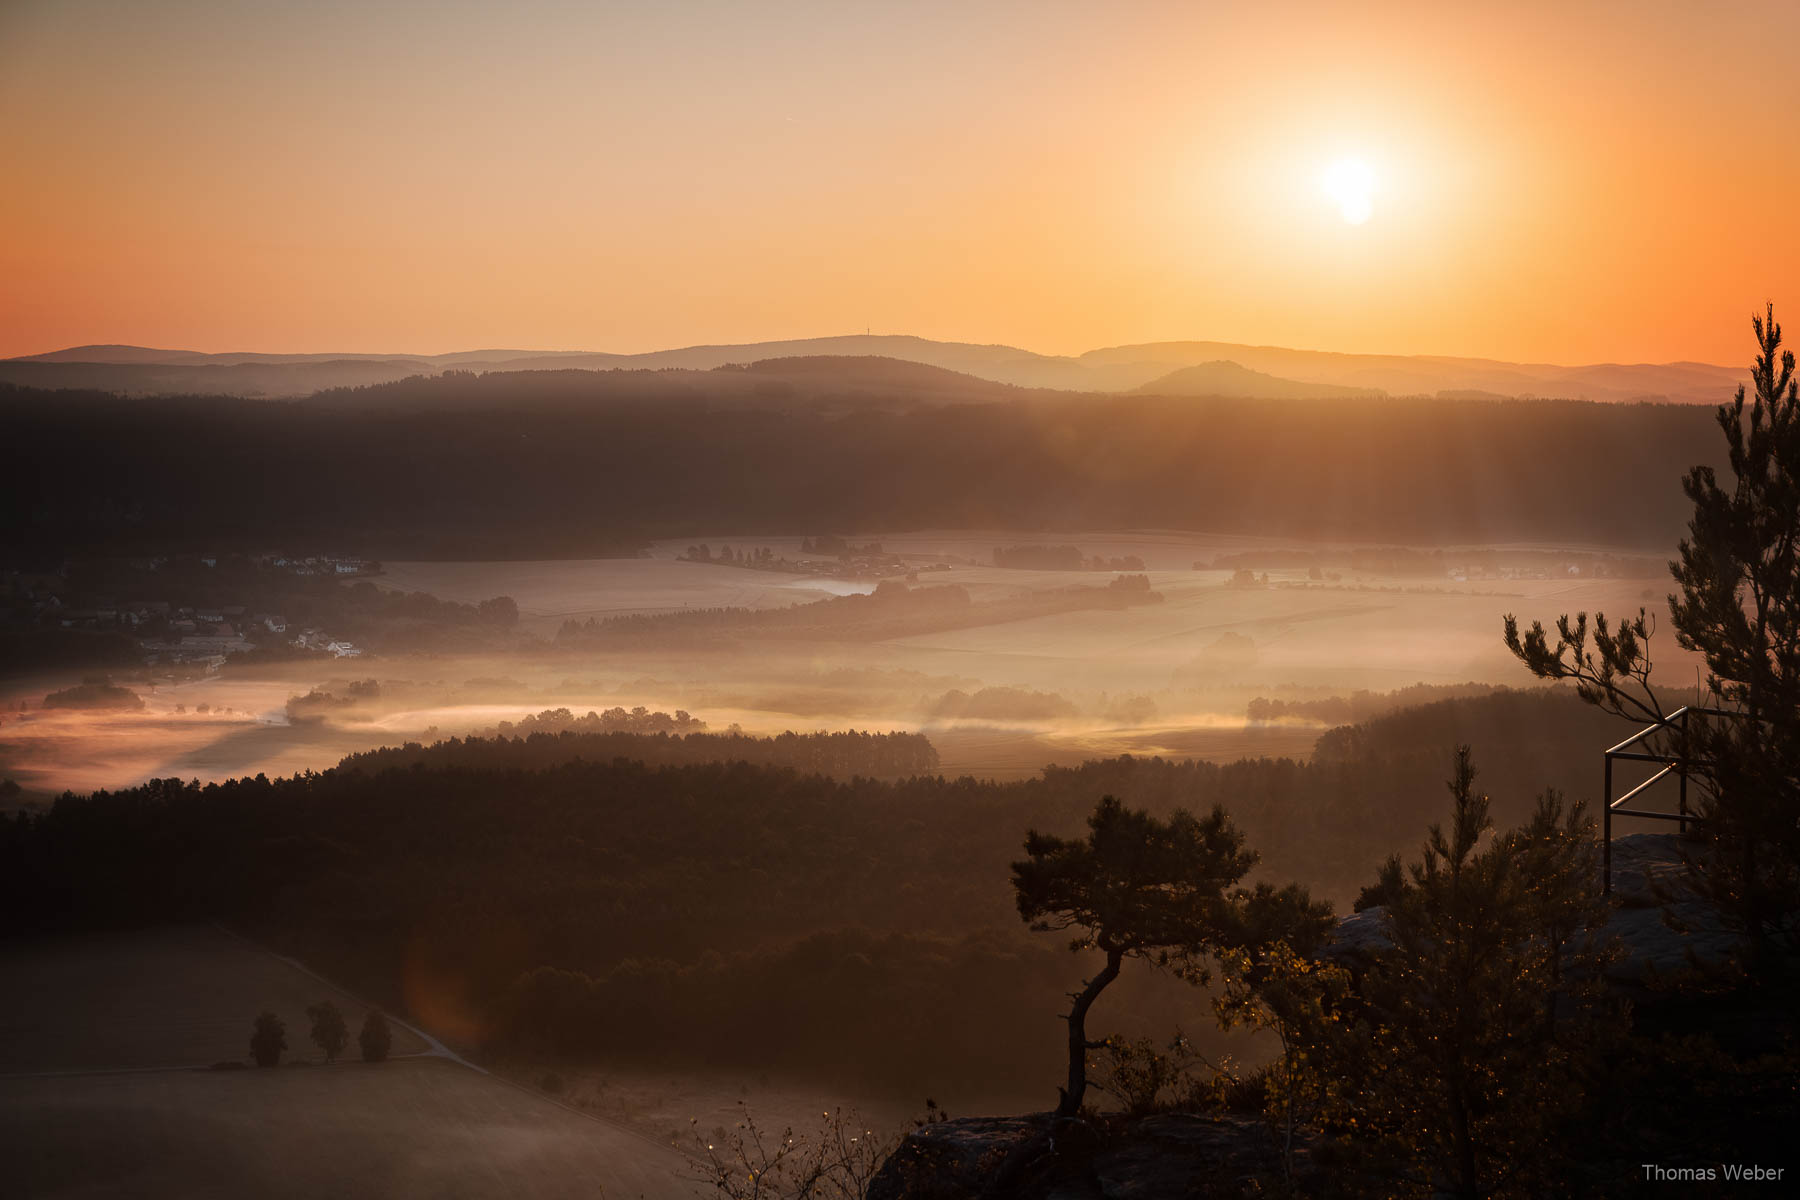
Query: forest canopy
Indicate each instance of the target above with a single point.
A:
(514, 480)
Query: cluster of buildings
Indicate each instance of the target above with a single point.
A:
(209, 636)
(1566, 570)
(313, 564)
(168, 632)
(315, 639)
(319, 564)
(854, 562)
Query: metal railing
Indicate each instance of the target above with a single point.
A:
(1680, 762)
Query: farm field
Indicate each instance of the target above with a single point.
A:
(100, 1096)
(173, 997)
(416, 1127)
(549, 593)
(679, 1106)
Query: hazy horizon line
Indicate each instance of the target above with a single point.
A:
(703, 345)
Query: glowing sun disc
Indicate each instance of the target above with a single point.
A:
(1350, 182)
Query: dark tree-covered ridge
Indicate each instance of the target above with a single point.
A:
(512, 480)
(839, 754)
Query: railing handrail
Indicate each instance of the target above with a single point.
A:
(1679, 763)
(1680, 714)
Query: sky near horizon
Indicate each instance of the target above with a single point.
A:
(1558, 182)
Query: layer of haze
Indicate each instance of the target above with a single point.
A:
(1554, 182)
(1173, 678)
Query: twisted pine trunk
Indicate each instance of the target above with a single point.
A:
(1078, 1039)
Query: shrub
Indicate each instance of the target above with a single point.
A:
(268, 1040)
(375, 1038)
(328, 1029)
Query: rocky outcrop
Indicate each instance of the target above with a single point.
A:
(1040, 1157)
(953, 1160)
(1661, 925)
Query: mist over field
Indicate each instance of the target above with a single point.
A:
(999, 693)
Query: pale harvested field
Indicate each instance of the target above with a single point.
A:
(549, 593)
(1379, 635)
(416, 1127)
(100, 1095)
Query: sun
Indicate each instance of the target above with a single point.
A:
(1351, 185)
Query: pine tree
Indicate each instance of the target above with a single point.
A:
(1162, 891)
(1465, 1065)
(1738, 571)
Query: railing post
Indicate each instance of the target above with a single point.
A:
(1606, 832)
(1686, 755)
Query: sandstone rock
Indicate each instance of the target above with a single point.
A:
(1036, 1158)
(1658, 919)
(956, 1160)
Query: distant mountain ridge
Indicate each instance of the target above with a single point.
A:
(1283, 372)
(1225, 378)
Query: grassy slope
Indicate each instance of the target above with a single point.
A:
(179, 997)
(124, 1014)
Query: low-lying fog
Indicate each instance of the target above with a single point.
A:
(1001, 699)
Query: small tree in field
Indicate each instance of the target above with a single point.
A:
(328, 1029)
(1138, 887)
(1739, 606)
(268, 1040)
(375, 1037)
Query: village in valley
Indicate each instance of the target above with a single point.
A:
(174, 613)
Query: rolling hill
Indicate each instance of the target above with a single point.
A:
(1229, 379)
(133, 370)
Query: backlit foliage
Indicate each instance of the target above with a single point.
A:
(1471, 1034)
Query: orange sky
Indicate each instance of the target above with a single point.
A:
(1560, 182)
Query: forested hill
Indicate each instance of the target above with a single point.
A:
(826, 384)
(690, 910)
(138, 371)
(842, 755)
(504, 482)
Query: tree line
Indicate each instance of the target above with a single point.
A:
(840, 754)
(1062, 558)
(505, 480)
(268, 1035)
